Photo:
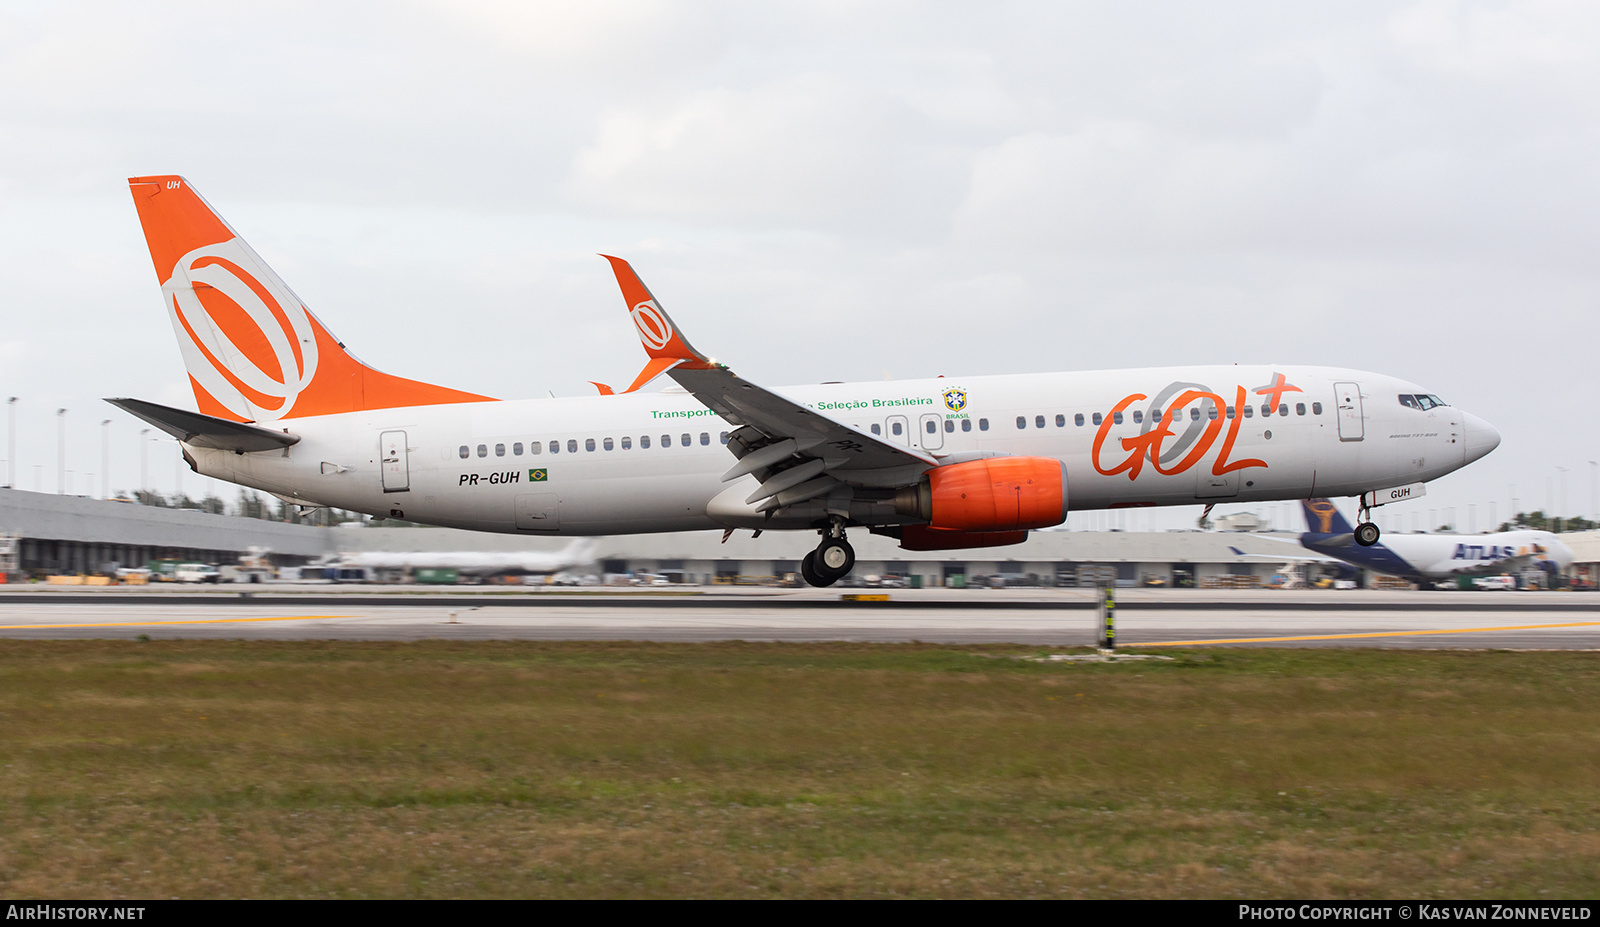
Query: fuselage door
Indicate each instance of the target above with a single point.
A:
(1351, 425)
(930, 437)
(899, 429)
(393, 461)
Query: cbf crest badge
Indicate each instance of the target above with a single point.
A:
(955, 399)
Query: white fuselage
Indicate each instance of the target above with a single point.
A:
(648, 462)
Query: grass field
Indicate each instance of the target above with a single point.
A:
(260, 769)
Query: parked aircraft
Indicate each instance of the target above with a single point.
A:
(1428, 557)
(576, 554)
(941, 463)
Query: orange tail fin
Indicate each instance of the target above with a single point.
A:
(254, 352)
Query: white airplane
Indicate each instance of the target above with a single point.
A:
(578, 553)
(936, 463)
(1430, 557)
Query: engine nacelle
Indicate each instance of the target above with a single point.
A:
(921, 537)
(996, 494)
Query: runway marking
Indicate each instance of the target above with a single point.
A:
(151, 624)
(1340, 637)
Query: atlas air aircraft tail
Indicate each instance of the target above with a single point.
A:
(939, 463)
(1426, 557)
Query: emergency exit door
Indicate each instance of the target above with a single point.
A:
(394, 464)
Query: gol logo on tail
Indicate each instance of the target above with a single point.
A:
(654, 329)
(247, 341)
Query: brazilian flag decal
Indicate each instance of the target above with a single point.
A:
(538, 476)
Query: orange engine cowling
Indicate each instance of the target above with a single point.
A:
(994, 494)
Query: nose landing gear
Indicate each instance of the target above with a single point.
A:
(832, 560)
(1366, 531)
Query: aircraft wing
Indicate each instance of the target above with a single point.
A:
(1284, 557)
(797, 453)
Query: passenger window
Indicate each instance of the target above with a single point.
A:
(705, 439)
(894, 427)
(1116, 418)
(1155, 415)
(1061, 421)
(483, 450)
(1266, 410)
(1038, 421)
(1249, 411)
(1299, 408)
(666, 440)
(966, 424)
(555, 447)
(465, 452)
(606, 443)
(933, 427)
(1078, 419)
(949, 425)
(499, 450)
(1194, 414)
(1316, 408)
(588, 444)
(1022, 421)
(627, 443)
(1138, 416)
(877, 429)
(983, 424)
(686, 439)
(516, 449)
(534, 447)
(1211, 412)
(723, 437)
(644, 441)
(1283, 409)
(572, 445)
(1095, 418)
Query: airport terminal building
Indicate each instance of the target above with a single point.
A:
(67, 534)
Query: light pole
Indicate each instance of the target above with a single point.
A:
(144, 463)
(61, 451)
(105, 459)
(1563, 491)
(11, 446)
(1594, 489)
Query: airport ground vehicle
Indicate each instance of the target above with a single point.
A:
(1495, 582)
(944, 463)
(196, 573)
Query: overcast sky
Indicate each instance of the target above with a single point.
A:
(828, 191)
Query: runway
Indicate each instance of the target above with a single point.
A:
(1059, 617)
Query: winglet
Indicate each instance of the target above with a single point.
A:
(661, 339)
(604, 389)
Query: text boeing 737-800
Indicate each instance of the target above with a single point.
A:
(938, 464)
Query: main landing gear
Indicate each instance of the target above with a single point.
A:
(832, 560)
(1366, 531)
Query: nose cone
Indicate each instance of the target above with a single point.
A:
(1479, 436)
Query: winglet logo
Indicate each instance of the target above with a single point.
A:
(1324, 512)
(248, 342)
(654, 329)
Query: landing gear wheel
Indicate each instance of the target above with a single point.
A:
(808, 572)
(835, 558)
(1366, 534)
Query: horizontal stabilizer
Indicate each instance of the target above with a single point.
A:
(206, 430)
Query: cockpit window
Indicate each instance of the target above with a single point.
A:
(1421, 401)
